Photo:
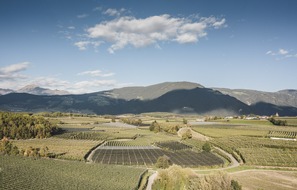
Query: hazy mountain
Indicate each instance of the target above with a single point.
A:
(181, 97)
(5, 91)
(150, 92)
(249, 97)
(36, 90)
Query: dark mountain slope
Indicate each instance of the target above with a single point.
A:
(250, 97)
(198, 100)
(150, 92)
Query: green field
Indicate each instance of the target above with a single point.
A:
(65, 148)
(26, 173)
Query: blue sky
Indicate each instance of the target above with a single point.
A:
(91, 45)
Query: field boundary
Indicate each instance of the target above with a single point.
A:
(89, 153)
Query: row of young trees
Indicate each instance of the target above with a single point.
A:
(156, 127)
(25, 126)
(132, 121)
(278, 121)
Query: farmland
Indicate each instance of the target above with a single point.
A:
(26, 173)
(126, 147)
(148, 155)
(69, 149)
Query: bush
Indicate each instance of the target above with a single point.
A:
(235, 185)
(206, 147)
(163, 162)
(278, 122)
(186, 134)
(176, 177)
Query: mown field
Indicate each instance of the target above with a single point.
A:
(26, 173)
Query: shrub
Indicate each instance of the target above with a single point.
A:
(206, 147)
(163, 162)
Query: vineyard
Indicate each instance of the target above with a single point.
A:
(282, 134)
(260, 151)
(148, 155)
(25, 173)
(64, 148)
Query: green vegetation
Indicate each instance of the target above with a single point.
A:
(154, 143)
(173, 145)
(25, 126)
(278, 122)
(163, 162)
(176, 177)
(260, 151)
(25, 173)
(60, 148)
(7, 148)
(206, 147)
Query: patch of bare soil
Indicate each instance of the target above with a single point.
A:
(272, 180)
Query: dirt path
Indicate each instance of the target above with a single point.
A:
(151, 181)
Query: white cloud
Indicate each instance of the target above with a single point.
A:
(71, 27)
(141, 32)
(11, 72)
(10, 78)
(82, 16)
(283, 52)
(269, 52)
(96, 73)
(83, 45)
(219, 24)
(114, 12)
(14, 68)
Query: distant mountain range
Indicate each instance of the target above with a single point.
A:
(177, 97)
(33, 89)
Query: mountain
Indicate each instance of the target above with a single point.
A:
(36, 90)
(180, 97)
(250, 97)
(5, 91)
(150, 92)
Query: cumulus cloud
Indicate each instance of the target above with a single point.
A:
(11, 72)
(140, 32)
(96, 73)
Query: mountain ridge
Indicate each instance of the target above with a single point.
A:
(179, 97)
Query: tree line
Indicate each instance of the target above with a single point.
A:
(25, 126)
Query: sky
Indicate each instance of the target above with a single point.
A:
(84, 46)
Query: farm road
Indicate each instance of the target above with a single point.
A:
(151, 181)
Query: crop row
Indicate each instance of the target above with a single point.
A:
(150, 156)
(282, 134)
(26, 173)
(260, 151)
